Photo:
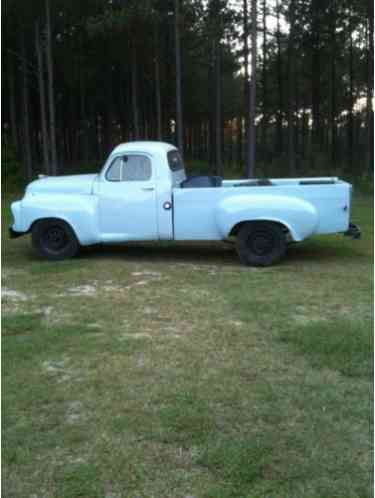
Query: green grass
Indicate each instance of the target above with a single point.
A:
(342, 345)
(172, 371)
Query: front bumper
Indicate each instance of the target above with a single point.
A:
(13, 234)
(354, 231)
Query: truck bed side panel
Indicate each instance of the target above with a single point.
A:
(211, 213)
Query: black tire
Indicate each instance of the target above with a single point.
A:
(261, 243)
(54, 239)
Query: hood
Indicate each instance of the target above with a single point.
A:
(73, 184)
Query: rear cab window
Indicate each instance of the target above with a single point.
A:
(175, 161)
(177, 167)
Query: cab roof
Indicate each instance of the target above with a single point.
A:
(144, 146)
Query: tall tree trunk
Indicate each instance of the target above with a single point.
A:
(370, 89)
(239, 139)
(251, 145)
(333, 86)
(264, 83)
(246, 90)
(304, 131)
(109, 115)
(12, 105)
(212, 106)
(159, 128)
(351, 98)
(42, 99)
(27, 155)
(291, 89)
(315, 73)
(218, 111)
(51, 96)
(279, 117)
(297, 120)
(134, 81)
(179, 119)
(85, 122)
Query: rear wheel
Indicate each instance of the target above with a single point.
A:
(261, 243)
(54, 239)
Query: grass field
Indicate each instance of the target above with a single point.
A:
(169, 371)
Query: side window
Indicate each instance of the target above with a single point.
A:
(136, 169)
(114, 172)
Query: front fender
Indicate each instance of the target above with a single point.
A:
(298, 215)
(79, 211)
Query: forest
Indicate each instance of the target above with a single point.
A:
(251, 87)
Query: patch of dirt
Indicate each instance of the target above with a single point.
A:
(11, 307)
(47, 311)
(76, 460)
(151, 276)
(74, 412)
(82, 290)
(147, 274)
(157, 330)
(61, 371)
(141, 361)
(147, 310)
(136, 284)
(174, 332)
(13, 301)
(236, 323)
(94, 326)
(306, 315)
(54, 366)
(10, 272)
(52, 317)
(95, 287)
(136, 335)
(14, 295)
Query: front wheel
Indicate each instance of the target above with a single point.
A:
(54, 239)
(261, 243)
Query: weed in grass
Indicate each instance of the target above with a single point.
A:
(341, 345)
(238, 462)
(186, 419)
(16, 324)
(79, 481)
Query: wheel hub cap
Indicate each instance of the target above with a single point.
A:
(261, 243)
(55, 238)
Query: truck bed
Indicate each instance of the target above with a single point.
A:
(196, 210)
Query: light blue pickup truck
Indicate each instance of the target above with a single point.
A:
(143, 194)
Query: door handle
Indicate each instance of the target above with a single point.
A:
(148, 188)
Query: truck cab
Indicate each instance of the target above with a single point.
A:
(135, 192)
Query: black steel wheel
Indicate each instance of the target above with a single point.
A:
(54, 239)
(261, 243)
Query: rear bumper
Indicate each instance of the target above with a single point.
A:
(13, 234)
(354, 231)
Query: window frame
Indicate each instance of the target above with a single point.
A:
(121, 156)
(110, 167)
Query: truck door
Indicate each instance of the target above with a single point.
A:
(127, 200)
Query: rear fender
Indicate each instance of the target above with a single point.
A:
(297, 215)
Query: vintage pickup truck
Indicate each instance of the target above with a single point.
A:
(143, 194)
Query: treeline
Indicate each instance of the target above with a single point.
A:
(281, 87)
